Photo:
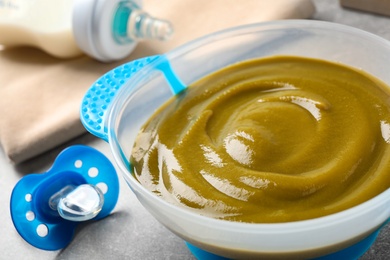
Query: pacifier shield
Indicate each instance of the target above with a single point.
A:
(41, 225)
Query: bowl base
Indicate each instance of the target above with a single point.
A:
(350, 253)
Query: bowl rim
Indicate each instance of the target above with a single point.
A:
(275, 24)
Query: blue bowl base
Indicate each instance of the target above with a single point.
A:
(350, 253)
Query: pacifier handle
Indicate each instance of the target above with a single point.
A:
(81, 185)
(97, 100)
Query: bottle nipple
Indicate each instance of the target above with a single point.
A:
(110, 30)
(133, 24)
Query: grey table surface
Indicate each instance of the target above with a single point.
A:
(131, 232)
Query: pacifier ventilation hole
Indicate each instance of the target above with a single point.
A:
(30, 216)
(93, 172)
(42, 230)
(99, 96)
(28, 197)
(78, 163)
(103, 187)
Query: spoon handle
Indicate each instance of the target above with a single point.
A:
(97, 100)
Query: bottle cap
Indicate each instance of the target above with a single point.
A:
(92, 28)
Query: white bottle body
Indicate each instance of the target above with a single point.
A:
(45, 24)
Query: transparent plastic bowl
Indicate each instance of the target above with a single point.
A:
(147, 89)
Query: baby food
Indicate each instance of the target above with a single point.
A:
(269, 140)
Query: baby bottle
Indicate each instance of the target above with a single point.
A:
(106, 30)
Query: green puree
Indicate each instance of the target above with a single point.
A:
(270, 140)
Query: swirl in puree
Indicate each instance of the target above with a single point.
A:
(269, 140)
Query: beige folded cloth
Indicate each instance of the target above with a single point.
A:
(40, 95)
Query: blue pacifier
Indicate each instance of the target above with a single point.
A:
(81, 185)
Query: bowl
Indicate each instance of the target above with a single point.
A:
(121, 101)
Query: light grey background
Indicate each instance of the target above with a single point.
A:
(130, 232)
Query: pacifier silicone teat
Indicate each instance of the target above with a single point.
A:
(95, 104)
(81, 185)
